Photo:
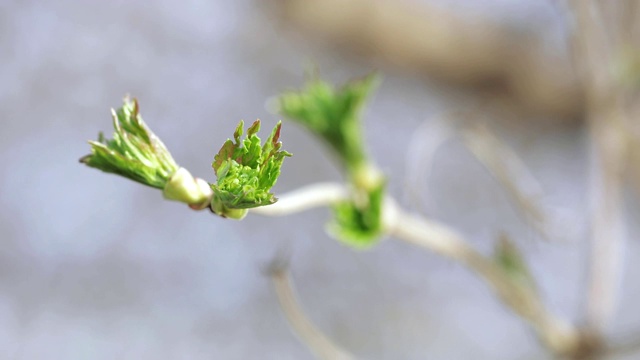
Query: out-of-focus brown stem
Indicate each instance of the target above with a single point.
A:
(607, 219)
(556, 334)
(310, 335)
(597, 41)
(511, 172)
(432, 41)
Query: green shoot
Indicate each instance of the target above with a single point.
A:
(136, 153)
(246, 171)
(334, 115)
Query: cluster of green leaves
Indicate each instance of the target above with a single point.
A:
(358, 222)
(135, 152)
(334, 115)
(246, 171)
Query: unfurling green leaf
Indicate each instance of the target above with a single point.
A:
(246, 171)
(333, 115)
(358, 222)
(136, 153)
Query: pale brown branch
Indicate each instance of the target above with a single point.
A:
(559, 336)
(510, 171)
(436, 42)
(522, 187)
(556, 334)
(606, 115)
(498, 158)
(309, 334)
(608, 228)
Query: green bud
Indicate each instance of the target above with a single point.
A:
(220, 209)
(246, 171)
(367, 177)
(358, 221)
(332, 114)
(136, 153)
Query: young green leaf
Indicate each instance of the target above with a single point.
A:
(136, 153)
(333, 115)
(246, 171)
(358, 222)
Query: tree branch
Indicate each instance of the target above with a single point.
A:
(594, 53)
(309, 334)
(510, 171)
(433, 39)
(558, 335)
(305, 198)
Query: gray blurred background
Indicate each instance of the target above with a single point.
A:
(96, 267)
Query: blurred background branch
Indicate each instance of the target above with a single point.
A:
(309, 334)
(499, 61)
(602, 30)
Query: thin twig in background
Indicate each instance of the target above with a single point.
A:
(309, 334)
(594, 53)
(608, 229)
(558, 335)
(423, 145)
(498, 158)
(433, 39)
(515, 177)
